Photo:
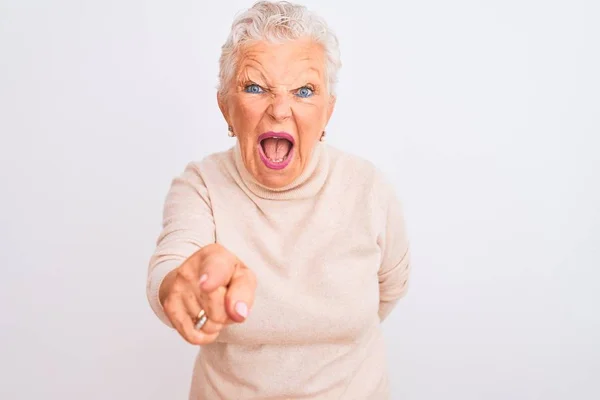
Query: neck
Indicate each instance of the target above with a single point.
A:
(306, 185)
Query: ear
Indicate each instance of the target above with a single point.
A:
(223, 107)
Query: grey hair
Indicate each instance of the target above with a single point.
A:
(276, 22)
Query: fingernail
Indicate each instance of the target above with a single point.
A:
(242, 309)
(203, 278)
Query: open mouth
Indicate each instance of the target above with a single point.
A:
(276, 149)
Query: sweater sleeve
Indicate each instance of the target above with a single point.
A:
(187, 225)
(395, 263)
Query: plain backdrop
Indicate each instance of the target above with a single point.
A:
(484, 114)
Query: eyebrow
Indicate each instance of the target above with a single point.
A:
(245, 75)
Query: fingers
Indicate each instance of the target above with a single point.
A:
(217, 270)
(212, 264)
(214, 304)
(222, 284)
(210, 327)
(212, 279)
(179, 315)
(240, 294)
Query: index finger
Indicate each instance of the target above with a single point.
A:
(217, 271)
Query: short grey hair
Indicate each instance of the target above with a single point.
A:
(276, 22)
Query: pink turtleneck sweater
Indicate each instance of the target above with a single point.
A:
(331, 258)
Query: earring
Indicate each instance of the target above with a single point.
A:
(230, 129)
(322, 139)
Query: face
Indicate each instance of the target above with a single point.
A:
(278, 106)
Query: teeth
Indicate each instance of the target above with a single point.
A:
(277, 160)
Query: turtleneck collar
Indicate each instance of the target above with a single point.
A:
(308, 184)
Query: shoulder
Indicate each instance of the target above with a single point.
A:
(196, 177)
(363, 182)
(210, 166)
(360, 171)
(351, 164)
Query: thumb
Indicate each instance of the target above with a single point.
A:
(239, 298)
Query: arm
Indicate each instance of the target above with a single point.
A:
(395, 264)
(187, 226)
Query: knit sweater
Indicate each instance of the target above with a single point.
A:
(331, 258)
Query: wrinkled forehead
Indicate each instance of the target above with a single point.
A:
(282, 63)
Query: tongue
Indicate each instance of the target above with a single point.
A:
(276, 149)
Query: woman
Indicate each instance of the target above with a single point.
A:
(280, 256)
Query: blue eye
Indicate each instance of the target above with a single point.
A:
(305, 92)
(253, 88)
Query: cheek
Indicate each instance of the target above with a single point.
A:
(248, 113)
(310, 118)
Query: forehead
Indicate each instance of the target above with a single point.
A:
(283, 60)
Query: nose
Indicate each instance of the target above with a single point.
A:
(280, 108)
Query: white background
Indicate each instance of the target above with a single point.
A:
(484, 114)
